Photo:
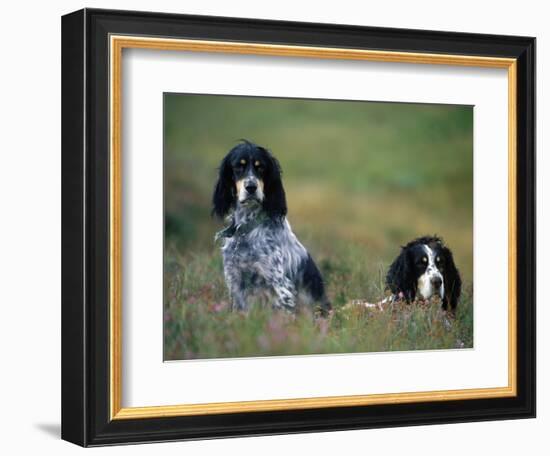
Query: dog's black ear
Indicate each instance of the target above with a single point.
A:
(452, 280)
(275, 198)
(400, 277)
(223, 199)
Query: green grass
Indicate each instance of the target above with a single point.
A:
(361, 180)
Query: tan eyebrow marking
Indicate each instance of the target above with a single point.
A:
(424, 259)
(257, 163)
(243, 162)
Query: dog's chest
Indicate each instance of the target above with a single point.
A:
(246, 250)
(266, 251)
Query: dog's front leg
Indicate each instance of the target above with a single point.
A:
(238, 294)
(285, 294)
(234, 283)
(272, 271)
(239, 300)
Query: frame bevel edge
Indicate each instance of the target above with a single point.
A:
(115, 213)
(512, 225)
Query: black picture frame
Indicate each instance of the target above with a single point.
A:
(85, 224)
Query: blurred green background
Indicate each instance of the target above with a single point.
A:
(361, 178)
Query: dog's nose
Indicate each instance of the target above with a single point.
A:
(251, 187)
(436, 282)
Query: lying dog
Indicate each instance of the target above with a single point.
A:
(425, 268)
(262, 257)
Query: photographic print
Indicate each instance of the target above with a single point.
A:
(300, 226)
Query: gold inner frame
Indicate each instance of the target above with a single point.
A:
(117, 44)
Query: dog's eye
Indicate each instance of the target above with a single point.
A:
(438, 259)
(258, 165)
(424, 260)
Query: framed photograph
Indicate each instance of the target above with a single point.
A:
(279, 227)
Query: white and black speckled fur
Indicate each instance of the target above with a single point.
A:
(263, 259)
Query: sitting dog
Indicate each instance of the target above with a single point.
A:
(261, 255)
(425, 268)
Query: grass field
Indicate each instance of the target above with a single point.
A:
(361, 180)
